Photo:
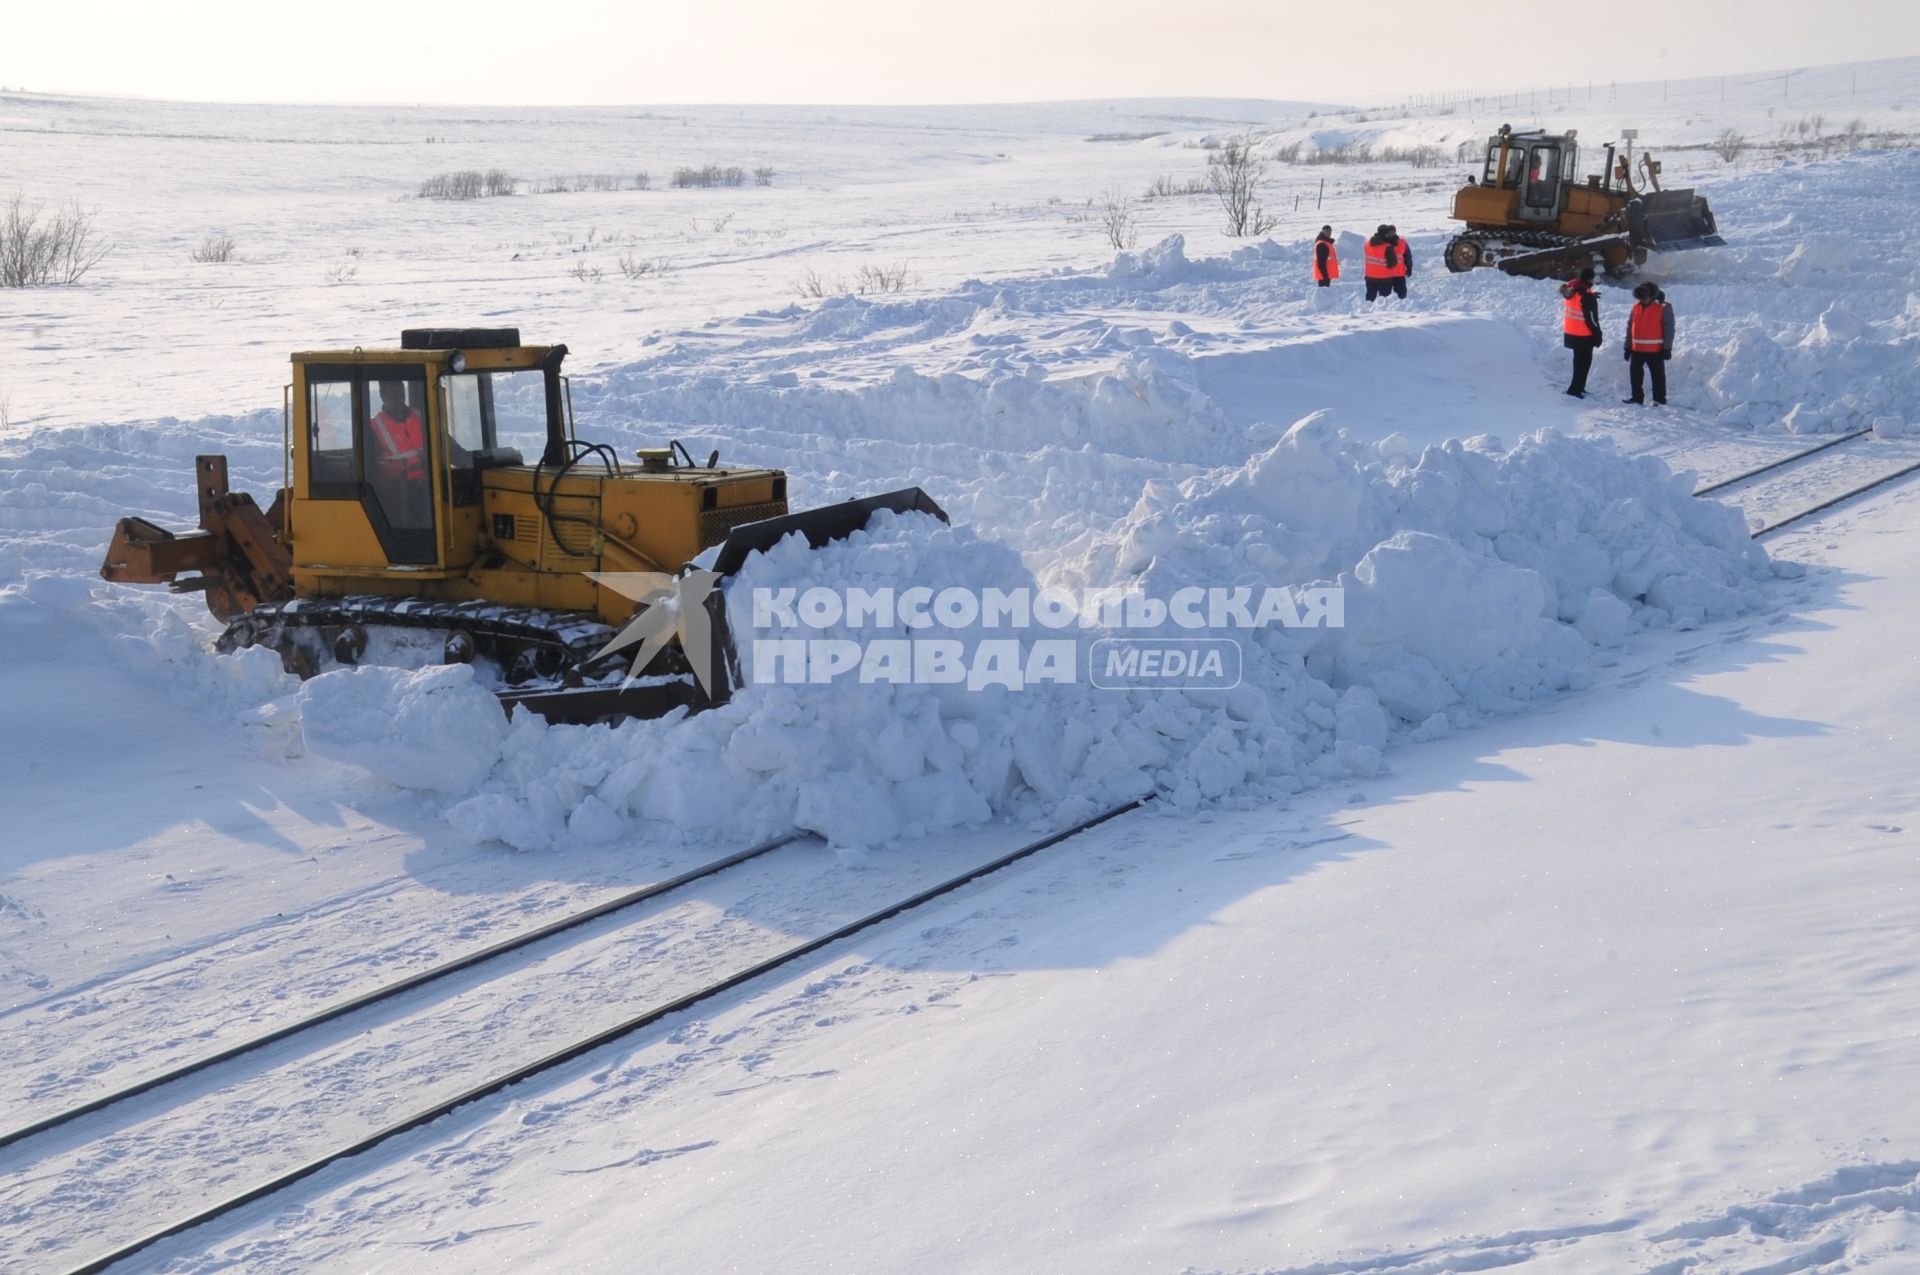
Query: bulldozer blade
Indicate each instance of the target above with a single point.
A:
(584, 705)
(1683, 245)
(1673, 220)
(820, 526)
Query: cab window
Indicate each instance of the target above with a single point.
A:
(1543, 177)
(333, 472)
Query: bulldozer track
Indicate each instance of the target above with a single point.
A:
(570, 1052)
(571, 639)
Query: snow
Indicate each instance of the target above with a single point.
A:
(1551, 913)
(433, 728)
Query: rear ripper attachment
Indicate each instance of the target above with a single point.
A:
(412, 532)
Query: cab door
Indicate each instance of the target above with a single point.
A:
(1540, 186)
(370, 456)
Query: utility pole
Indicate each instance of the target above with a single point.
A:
(1323, 193)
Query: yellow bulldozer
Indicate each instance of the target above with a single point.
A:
(412, 529)
(1531, 213)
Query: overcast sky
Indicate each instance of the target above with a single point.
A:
(894, 51)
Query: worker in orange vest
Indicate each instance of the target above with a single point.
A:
(1381, 265)
(1649, 342)
(399, 437)
(1580, 327)
(1400, 259)
(1326, 258)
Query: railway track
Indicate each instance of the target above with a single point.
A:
(1829, 473)
(253, 1119)
(391, 991)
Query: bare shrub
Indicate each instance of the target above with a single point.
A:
(38, 249)
(812, 285)
(721, 223)
(1730, 145)
(586, 273)
(1115, 212)
(468, 183)
(497, 183)
(640, 267)
(642, 180)
(881, 278)
(1167, 186)
(1233, 173)
(709, 175)
(342, 273)
(1288, 154)
(1418, 156)
(763, 176)
(1344, 153)
(577, 183)
(216, 247)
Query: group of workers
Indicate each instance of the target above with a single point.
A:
(1649, 325)
(1389, 262)
(1649, 336)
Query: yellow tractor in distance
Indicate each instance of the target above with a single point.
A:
(413, 530)
(1531, 214)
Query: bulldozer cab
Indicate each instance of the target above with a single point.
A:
(1538, 168)
(387, 447)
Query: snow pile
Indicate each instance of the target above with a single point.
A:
(431, 728)
(1475, 580)
(1803, 322)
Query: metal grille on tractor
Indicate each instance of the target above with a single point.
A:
(716, 524)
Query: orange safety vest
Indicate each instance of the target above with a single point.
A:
(1574, 316)
(1400, 270)
(1333, 260)
(402, 444)
(1646, 331)
(1377, 267)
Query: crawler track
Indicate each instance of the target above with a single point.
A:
(496, 1083)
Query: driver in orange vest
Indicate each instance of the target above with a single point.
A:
(1326, 258)
(400, 439)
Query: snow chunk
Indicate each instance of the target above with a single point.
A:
(433, 728)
